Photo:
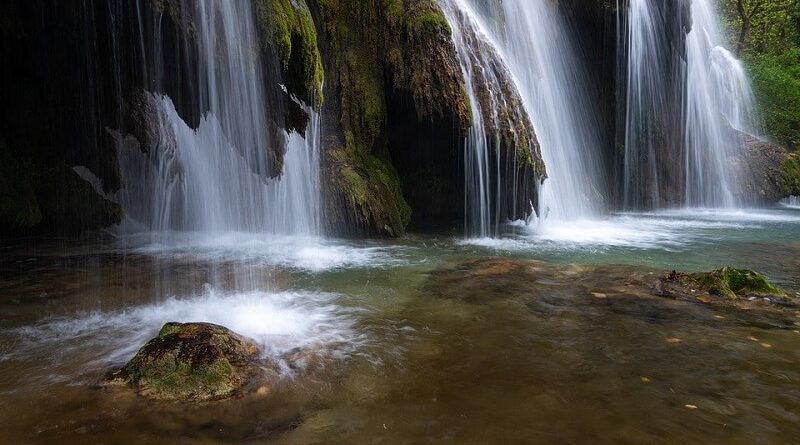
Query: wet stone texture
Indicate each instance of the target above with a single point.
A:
(192, 362)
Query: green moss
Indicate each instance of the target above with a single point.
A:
(192, 361)
(372, 190)
(429, 18)
(735, 283)
(790, 174)
(169, 329)
(287, 27)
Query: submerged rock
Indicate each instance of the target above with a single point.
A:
(192, 362)
(728, 283)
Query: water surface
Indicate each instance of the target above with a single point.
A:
(548, 334)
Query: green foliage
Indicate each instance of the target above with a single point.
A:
(766, 34)
(762, 26)
(791, 175)
(776, 82)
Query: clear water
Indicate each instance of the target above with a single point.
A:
(544, 334)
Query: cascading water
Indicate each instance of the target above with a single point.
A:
(553, 84)
(215, 178)
(532, 41)
(467, 31)
(719, 101)
(686, 99)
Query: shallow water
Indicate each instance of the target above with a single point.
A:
(546, 335)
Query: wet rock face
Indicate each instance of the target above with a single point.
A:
(192, 362)
(772, 172)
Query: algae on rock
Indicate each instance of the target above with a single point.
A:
(191, 362)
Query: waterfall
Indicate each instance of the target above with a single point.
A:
(469, 34)
(686, 99)
(719, 101)
(554, 86)
(532, 40)
(215, 177)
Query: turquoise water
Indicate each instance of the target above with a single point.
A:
(548, 334)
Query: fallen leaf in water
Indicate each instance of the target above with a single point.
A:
(645, 379)
(691, 406)
(673, 340)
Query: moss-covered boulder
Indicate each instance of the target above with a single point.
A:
(727, 283)
(192, 362)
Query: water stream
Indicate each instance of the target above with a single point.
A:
(685, 104)
(215, 178)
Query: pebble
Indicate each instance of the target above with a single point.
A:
(751, 338)
(645, 379)
(599, 295)
(673, 340)
(766, 345)
(691, 406)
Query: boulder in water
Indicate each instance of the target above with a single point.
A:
(192, 362)
(728, 283)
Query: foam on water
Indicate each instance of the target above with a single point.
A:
(312, 254)
(792, 202)
(279, 322)
(665, 230)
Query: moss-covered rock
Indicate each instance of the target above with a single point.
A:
(286, 27)
(771, 172)
(191, 362)
(790, 175)
(728, 283)
(369, 193)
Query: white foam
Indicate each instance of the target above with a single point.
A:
(792, 202)
(313, 254)
(278, 322)
(666, 230)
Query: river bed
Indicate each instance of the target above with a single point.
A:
(545, 334)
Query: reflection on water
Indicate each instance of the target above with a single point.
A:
(543, 336)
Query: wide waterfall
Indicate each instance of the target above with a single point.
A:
(687, 98)
(215, 178)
